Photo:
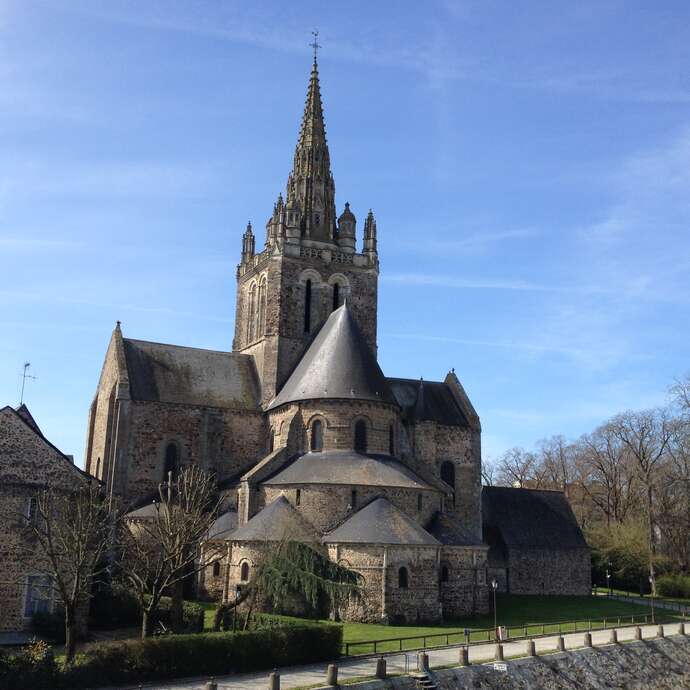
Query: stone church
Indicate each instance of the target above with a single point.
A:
(307, 436)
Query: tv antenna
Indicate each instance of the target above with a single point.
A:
(26, 375)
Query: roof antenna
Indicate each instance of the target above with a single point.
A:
(25, 375)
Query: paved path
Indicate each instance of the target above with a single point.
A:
(300, 676)
(646, 601)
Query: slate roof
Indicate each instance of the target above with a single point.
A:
(277, 521)
(148, 510)
(23, 412)
(175, 374)
(224, 524)
(380, 522)
(427, 401)
(451, 531)
(337, 364)
(348, 467)
(524, 518)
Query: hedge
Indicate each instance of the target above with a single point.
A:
(674, 586)
(172, 656)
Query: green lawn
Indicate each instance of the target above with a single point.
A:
(627, 593)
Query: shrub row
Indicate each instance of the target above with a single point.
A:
(175, 656)
(674, 586)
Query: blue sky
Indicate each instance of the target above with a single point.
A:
(528, 165)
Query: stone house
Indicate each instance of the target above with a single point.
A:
(28, 463)
(536, 545)
(305, 433)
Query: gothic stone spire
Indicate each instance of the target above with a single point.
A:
(311, 190)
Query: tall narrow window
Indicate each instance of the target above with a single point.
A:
(402, 578)
(172, 462)
(448, 476)
(251, 314)
(261, 316)
(216, 569)
(419, 501)
(316, 442)
(98, 469)
(298, 496)
(336, 296)
(244, 572)
(353, 498)
(445, 573)
(31, 507)
(361, 436)
(307, 307)
(391, 440)
(39, 594)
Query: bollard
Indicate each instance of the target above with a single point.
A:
(381, 668)
(638, 633)
(499, 652)
(422, 661)
(561, 643)
(531, 648)
(683, 629)
(614, 636)
(660, 631)
(332, 675)
(273, 681)
(464, 656)
(588, 639)
(211, 685)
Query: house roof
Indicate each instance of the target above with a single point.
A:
(223, 525)
(529, 518)
(23, 412)
(380, 522)
(450, 531)
(348, 467)
(175, 374)
(277, 521)
(427, 401)
(337, 364)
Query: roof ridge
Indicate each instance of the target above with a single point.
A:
(185, 347)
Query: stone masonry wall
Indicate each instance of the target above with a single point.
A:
(549, 571)
(466, 592)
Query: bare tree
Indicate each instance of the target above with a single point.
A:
(488, 472)
(159, 551)
(71, 532)
(555, 460)
(646, 436)
(518, 468)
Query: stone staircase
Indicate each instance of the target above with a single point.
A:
(424, 681)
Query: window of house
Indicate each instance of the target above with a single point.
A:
(307, 307)
(316, 441)
(172, 462)
(361, 436)
(336, 296)
(419, 501)
(298, 496)
(353, 498)
(391, 440)
(445, 573)
(448, 476)
(31, 509)
(98, 468)
(244, 572)
(39, 594)
(402, 578)
(216, 569)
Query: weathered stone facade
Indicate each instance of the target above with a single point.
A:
(28, 463)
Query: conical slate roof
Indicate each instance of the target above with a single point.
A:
(380, 522)
(277, 521)
(338, 364)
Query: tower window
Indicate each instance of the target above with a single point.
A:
(172, 462)
(361, 436)
(445, 573)
(391, 440)
(316, 441)
(216, 569)
(336, 296)
(419, 501)
(244, 572)
(298, 496)
(402, 578)
(353, 498)
(448, 476)
(307, 307)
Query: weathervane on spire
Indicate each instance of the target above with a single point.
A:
(315, 45)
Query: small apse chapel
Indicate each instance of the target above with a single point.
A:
(308, 437)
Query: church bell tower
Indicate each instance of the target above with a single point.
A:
(309, 264)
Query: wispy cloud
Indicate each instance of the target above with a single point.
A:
(469, 244)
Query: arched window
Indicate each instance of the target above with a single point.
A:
(271, 440)
(445, 573)
(448, 474)
(216, 569)
(251, 313)
(353, 499)
(98, 469)
(172, 462)
(244, 572)
(391, 440)
(298, 496)
(316, 441)
(402, 578)
(307, 307)
(261, 315)
(336, 296)
(361, 436)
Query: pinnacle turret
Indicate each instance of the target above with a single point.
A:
(248, 242)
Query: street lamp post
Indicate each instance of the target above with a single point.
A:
(494, 586)
(608, 576)
(651, 600)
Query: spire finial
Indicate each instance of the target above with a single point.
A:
(315, 44)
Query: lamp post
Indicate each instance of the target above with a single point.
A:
(651, 600)
(238, 591)
(494, 586)
(608, 576)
